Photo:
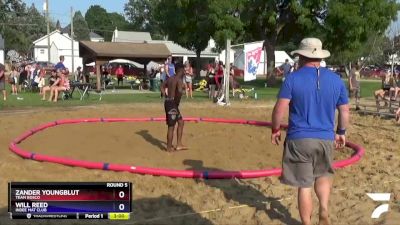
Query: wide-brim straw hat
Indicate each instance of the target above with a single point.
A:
(311, 48)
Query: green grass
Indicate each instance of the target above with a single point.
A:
(368, 87)
(34, 100)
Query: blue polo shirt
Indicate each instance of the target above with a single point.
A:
(313, 102)
(59, 65)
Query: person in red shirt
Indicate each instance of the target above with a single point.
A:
(120, 74)
(219, 74)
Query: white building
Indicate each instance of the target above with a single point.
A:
(60, 45)
(95, 37)
(1, 50)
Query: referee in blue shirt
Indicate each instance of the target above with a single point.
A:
(312, 94)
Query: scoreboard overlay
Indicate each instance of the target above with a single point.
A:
(70, 200)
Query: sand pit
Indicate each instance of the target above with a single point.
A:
(143, 144)
(161, 200)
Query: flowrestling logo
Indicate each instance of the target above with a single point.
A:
(380, 197)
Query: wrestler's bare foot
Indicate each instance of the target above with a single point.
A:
(170, 149)
(181, 148)
(324, 219)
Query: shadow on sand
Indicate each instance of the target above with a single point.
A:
(152, 140)
(245, 194)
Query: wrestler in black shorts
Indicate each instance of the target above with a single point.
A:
(172, 112)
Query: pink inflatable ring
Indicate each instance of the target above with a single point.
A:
(359, 152)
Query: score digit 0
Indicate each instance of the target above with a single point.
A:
(121, 194)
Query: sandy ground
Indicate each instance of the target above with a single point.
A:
(161, 200)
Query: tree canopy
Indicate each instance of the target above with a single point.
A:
(348, 26)
(81, 29)
(21, 25)
(102, 22)
(141, 16)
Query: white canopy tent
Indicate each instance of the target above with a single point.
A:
(150, 65)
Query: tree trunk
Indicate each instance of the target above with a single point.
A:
(198, 63)
(269, 45)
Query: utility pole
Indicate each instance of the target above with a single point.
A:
(72, 40)
(227, 69)
(48, 30)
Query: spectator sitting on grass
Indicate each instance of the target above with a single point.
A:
(41, 81)
(52, 80)
(62, 85)
(387, 86)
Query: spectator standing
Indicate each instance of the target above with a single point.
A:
(163, 78)
(285, 68)
(120, 74)
(60, 65)
(232, 83)
(189, 79)
(312, 94)
(354, 83)
(294, 67)
(23, 76)
(31, 69)
(219, 74)
(169, 67)
(14, 80)
(35, 75)
(3, 82)
(78, 74)
(105, 74)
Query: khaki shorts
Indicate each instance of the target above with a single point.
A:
(304, 160)
(356, 93)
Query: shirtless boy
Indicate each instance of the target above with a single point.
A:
(172, 89)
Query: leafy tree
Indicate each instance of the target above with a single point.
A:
(58, 25)
(225, 15)
(99, 21)
(280, 21)
(81, 29)
(187, 23)
(104, 23)
(349, 25)
(118, 21)
(343, 25)
(21, 25)
(141, 15)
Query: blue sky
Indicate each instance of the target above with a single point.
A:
(60, 9)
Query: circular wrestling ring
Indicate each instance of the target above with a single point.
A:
(359, 152)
